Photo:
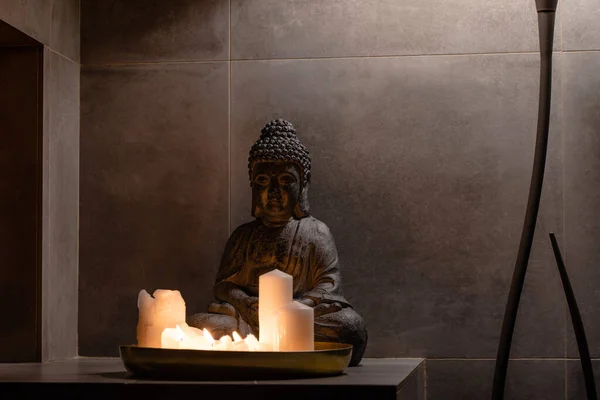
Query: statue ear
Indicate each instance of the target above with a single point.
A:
(256, 211)
(302, 209)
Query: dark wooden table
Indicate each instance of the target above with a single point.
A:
(374, 379)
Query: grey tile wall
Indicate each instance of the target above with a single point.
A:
(582, 188)
(54, 23)
(421, 170)
(60, 214)
(339, 28)
(154, 192)
(151, 31)
(472, 379)
(421, 165)
(581, 30)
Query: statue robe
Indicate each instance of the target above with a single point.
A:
(303, 248)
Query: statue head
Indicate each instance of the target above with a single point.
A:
(279, 170)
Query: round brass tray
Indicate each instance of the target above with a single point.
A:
(326, 360)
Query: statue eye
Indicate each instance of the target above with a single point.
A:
(261, 180)
(286, 179)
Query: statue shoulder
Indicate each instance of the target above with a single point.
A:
(318, 230)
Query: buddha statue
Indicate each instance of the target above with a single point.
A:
(284, 236)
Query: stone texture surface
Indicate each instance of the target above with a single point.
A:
(20, 167)
(424, 188)
(472, 379)
(582, 189)
(60, 213)
(339, 28)
(154, 192)
(581, 30)
(150, 31)
(54, 23)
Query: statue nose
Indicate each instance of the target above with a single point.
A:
(274, 186)
(274, 190)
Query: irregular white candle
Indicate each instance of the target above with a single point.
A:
(224, 343)
(165, 310)
(240, 346)
(145, 320)
(296, 328)
(190, 331)
(171, 338)
(252, 342)
(275, 290)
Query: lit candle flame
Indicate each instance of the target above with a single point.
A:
(236, 337)
(208, 336)
(180, 334)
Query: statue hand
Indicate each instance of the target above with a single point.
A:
(321, 308)
(249, 311)
(307, 302)
(327, 308)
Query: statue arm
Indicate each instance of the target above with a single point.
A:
(326, 285)
(232, 261)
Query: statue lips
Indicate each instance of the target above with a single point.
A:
(274, 200)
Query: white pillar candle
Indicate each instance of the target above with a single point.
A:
(275, 290)
(165, 310)
(296, 328)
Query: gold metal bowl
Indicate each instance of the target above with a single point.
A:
(327, 359)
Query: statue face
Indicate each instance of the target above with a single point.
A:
(276, 190)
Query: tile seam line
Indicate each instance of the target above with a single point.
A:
(384, 56)
(241, 60)
(62, 55)
(317, 58)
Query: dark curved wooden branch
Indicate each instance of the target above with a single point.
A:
(582, 343)
(546, 15)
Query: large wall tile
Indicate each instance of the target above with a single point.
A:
(472, 379)
(154, 192)
(336, 28)
(115, 31)
(421, 169)
(61, 208)
(582, 188)
(581, 30)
